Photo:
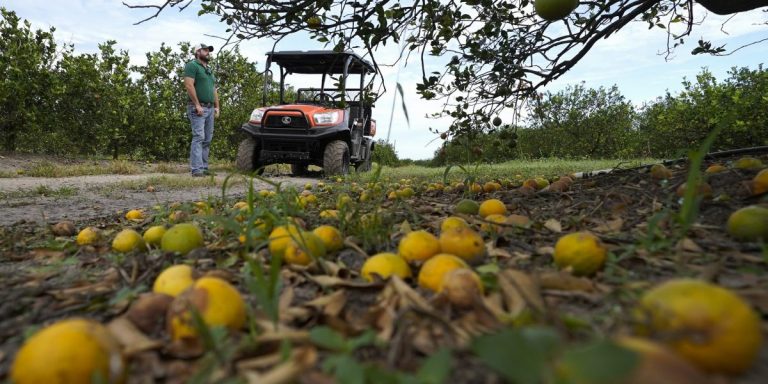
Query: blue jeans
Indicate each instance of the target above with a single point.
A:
(202, 133)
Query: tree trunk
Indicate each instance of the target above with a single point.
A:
(727, 7)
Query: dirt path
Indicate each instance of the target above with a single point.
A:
(102, 195)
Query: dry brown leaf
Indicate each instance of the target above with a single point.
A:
(329, 305)
(107, 283)
(686, 244)
(546, 250)
(564, 281)
(131, 339)
(553, 225)
(495, 252)
(302, 359)
(610, 226)
(520, 292)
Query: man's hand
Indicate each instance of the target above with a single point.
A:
(199, 109)
(217, 112)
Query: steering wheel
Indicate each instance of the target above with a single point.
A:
(322, 96)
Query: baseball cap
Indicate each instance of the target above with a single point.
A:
(202, 46)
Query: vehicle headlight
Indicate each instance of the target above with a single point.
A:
(326, 118)
(256, 116)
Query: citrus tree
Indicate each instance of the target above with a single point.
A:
(26, 79)
(581, 122)
(496, 51)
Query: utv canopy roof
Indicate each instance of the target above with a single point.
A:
(319, 62)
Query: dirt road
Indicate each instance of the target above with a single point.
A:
(48, 200)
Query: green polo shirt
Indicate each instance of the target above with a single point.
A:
(204, 80)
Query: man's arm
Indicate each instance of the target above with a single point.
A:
(189, 84)
(216, 101)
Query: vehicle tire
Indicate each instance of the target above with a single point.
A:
(336, 158)
(365, 165)
(299, 169)
(247, 153)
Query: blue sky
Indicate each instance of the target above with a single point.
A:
(629, 58)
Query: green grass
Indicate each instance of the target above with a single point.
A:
(49, 169)
(41, 191)
(510, 169)
(175, 182)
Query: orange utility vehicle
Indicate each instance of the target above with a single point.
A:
(330, 127)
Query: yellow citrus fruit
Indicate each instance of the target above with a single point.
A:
(709, 325)
(541, 183)
(385, 265)
(182, 238)
(489, 187)
(127, 240)
(329, 214)
(241, 205)
(69, 351)
(748, 162)
(475, 188)
(154, 234)
(583, 252)
(88, 236)
(467, 207)
(405, 193)
(217, 302)
(494, 220)
(280, 237)
(462, 287)
(715, 168)
(760, 183)
(492, 206)
(304, 249)
(552, 10)
(331, 237)
(658, 364)
(264, 193)
(704, 190)
(749, 223)
(464, 243)
(434, 270)
(660, 172)
(418, 246)
(135, 215)
(453, 222)
(343, 201)
(174, 280)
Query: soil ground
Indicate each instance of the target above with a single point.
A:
(44, 278)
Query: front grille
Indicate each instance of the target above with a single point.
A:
(277, 121)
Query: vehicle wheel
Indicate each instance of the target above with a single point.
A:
(299, 169)
(336, 158)
(365, 165)
(247, 153)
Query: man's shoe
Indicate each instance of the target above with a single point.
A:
(198, 174)
(209, 173)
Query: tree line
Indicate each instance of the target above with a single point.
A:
(98, 104)
(55, 101)
(590, 123)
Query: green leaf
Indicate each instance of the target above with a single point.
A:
(349, 371)
(599, 362)
(520, 356)
(328, 338)
(436, 368)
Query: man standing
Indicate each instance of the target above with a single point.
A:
(202, 107)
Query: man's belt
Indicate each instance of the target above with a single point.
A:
(207, 105)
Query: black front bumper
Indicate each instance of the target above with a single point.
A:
(292, 145)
